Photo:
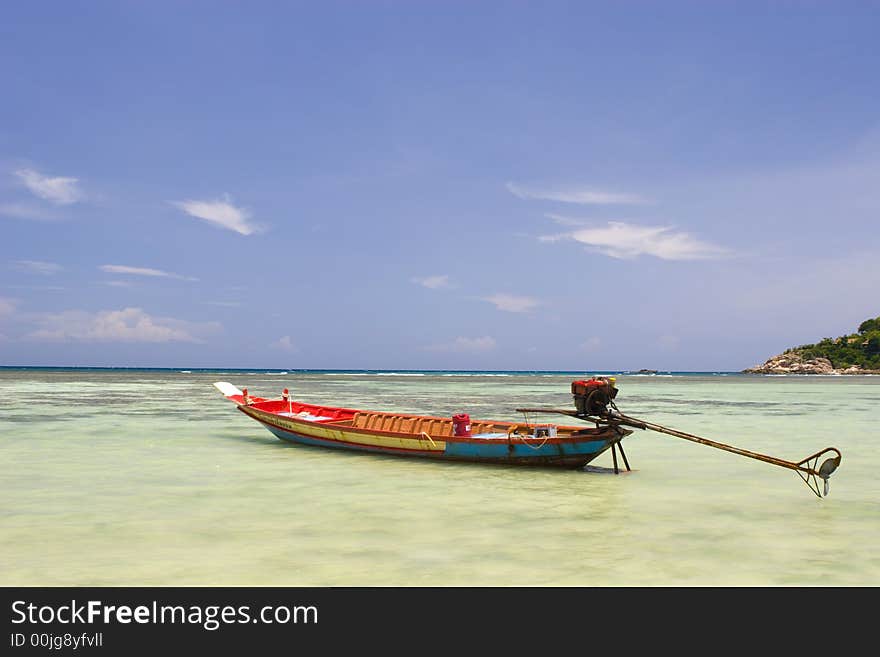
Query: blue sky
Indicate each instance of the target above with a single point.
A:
(437, 185)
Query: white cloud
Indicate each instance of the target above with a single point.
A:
(142, 271)
(571, 194)
(61, 191)
(512, 303)
(433, 282)
(284, 344)
(25, 211)
(622, 240)
(126, 325)
(37, 267)
(463, 344)
(221, 213)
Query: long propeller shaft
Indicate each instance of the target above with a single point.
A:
(809, 468)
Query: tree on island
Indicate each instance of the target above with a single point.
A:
(860, 349)
(870, 325)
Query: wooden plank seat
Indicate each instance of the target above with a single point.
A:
(433, 426)
(484, 427)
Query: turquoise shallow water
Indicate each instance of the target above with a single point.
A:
(135, 477)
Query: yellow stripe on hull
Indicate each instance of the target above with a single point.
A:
(345, 434)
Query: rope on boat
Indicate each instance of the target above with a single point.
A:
(532, 446)
(513, 432)
(433, 444)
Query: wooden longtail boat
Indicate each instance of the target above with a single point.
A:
(451, 438)
(492, 441)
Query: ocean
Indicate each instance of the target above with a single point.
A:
(125, 477)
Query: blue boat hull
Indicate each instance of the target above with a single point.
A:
(570, 454)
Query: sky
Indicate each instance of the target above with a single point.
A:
(690, 186)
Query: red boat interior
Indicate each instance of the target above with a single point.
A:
(437, 427)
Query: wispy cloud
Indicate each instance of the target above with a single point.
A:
(512, 303)
(574, 194)
(143, 271)
(126, 325)
(37, 267)
(463, 344)
(58, 190)
(26, 211)
(622, 240)
(433, 282)
(220, 213)
(284, 343)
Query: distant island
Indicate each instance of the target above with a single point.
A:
(857, 353)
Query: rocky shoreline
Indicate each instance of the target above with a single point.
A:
(793, 363)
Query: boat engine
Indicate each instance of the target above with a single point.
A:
(592, 396)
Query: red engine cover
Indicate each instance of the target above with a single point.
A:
(586, 387)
